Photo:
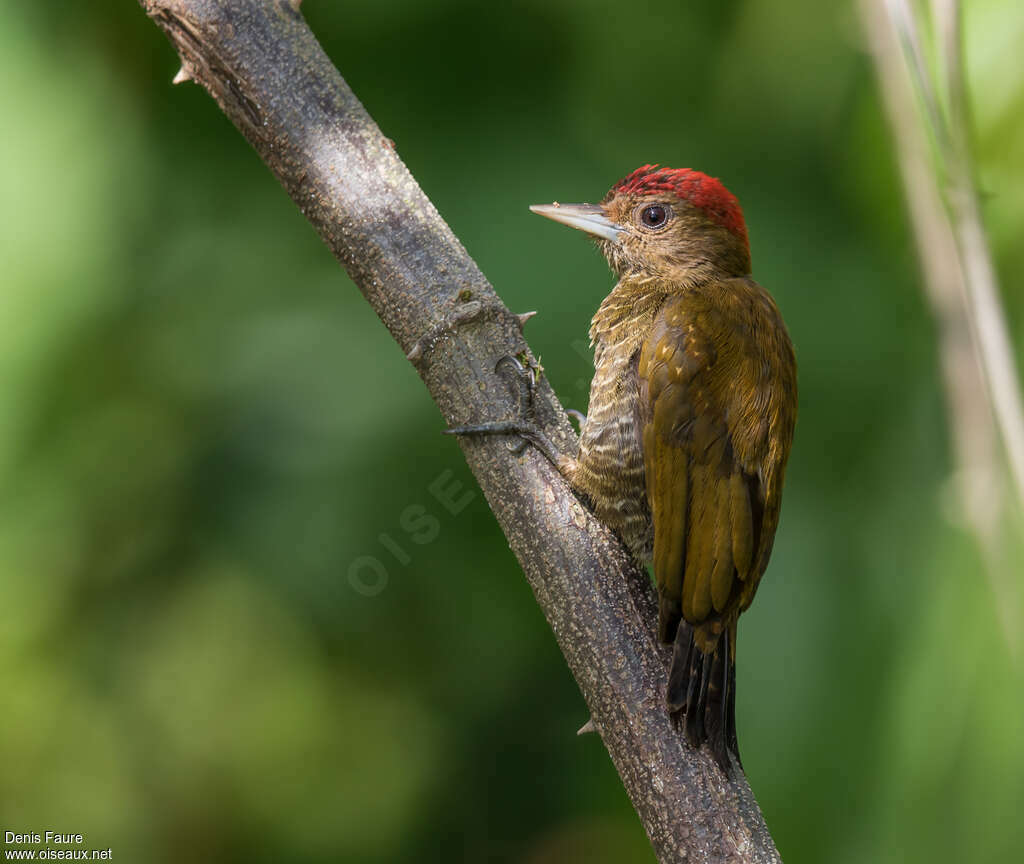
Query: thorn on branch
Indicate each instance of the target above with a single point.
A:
(182, 76)
(523, 317)
(587, 727)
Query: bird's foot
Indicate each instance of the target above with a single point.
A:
(525, 425)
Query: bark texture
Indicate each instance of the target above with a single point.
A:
(267, 72)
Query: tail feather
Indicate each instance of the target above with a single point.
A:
(733, 743)
(702, 686)
(697, 722)
(679, 674)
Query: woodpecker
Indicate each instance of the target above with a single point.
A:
(692, 407)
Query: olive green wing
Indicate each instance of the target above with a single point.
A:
(706, 504)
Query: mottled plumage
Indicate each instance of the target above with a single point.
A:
(691, 417)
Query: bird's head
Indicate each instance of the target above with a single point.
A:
(668, 223)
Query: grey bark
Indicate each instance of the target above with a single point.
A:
(267, 72)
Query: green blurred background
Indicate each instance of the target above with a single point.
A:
(203, 426)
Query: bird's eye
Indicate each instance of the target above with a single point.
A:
(654, 216)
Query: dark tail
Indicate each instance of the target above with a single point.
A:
(703, 685)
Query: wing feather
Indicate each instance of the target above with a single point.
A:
(668, 504)
(724, 570)
(741, 524)
(708, 538)
(697, 578)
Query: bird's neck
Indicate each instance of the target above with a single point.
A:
(623, 317)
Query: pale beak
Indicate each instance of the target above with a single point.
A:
(586, 217)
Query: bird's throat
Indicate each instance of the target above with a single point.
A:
(625, 314)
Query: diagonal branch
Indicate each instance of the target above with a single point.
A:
(266, 70)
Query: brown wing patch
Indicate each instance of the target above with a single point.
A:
(723, 569)
(696, 581)
(698, 491)
(740, 521)
(669, 497)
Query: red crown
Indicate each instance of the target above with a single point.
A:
(703, 192)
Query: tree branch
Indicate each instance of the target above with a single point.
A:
(266, 70)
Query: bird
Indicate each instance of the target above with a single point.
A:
(692, 408)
